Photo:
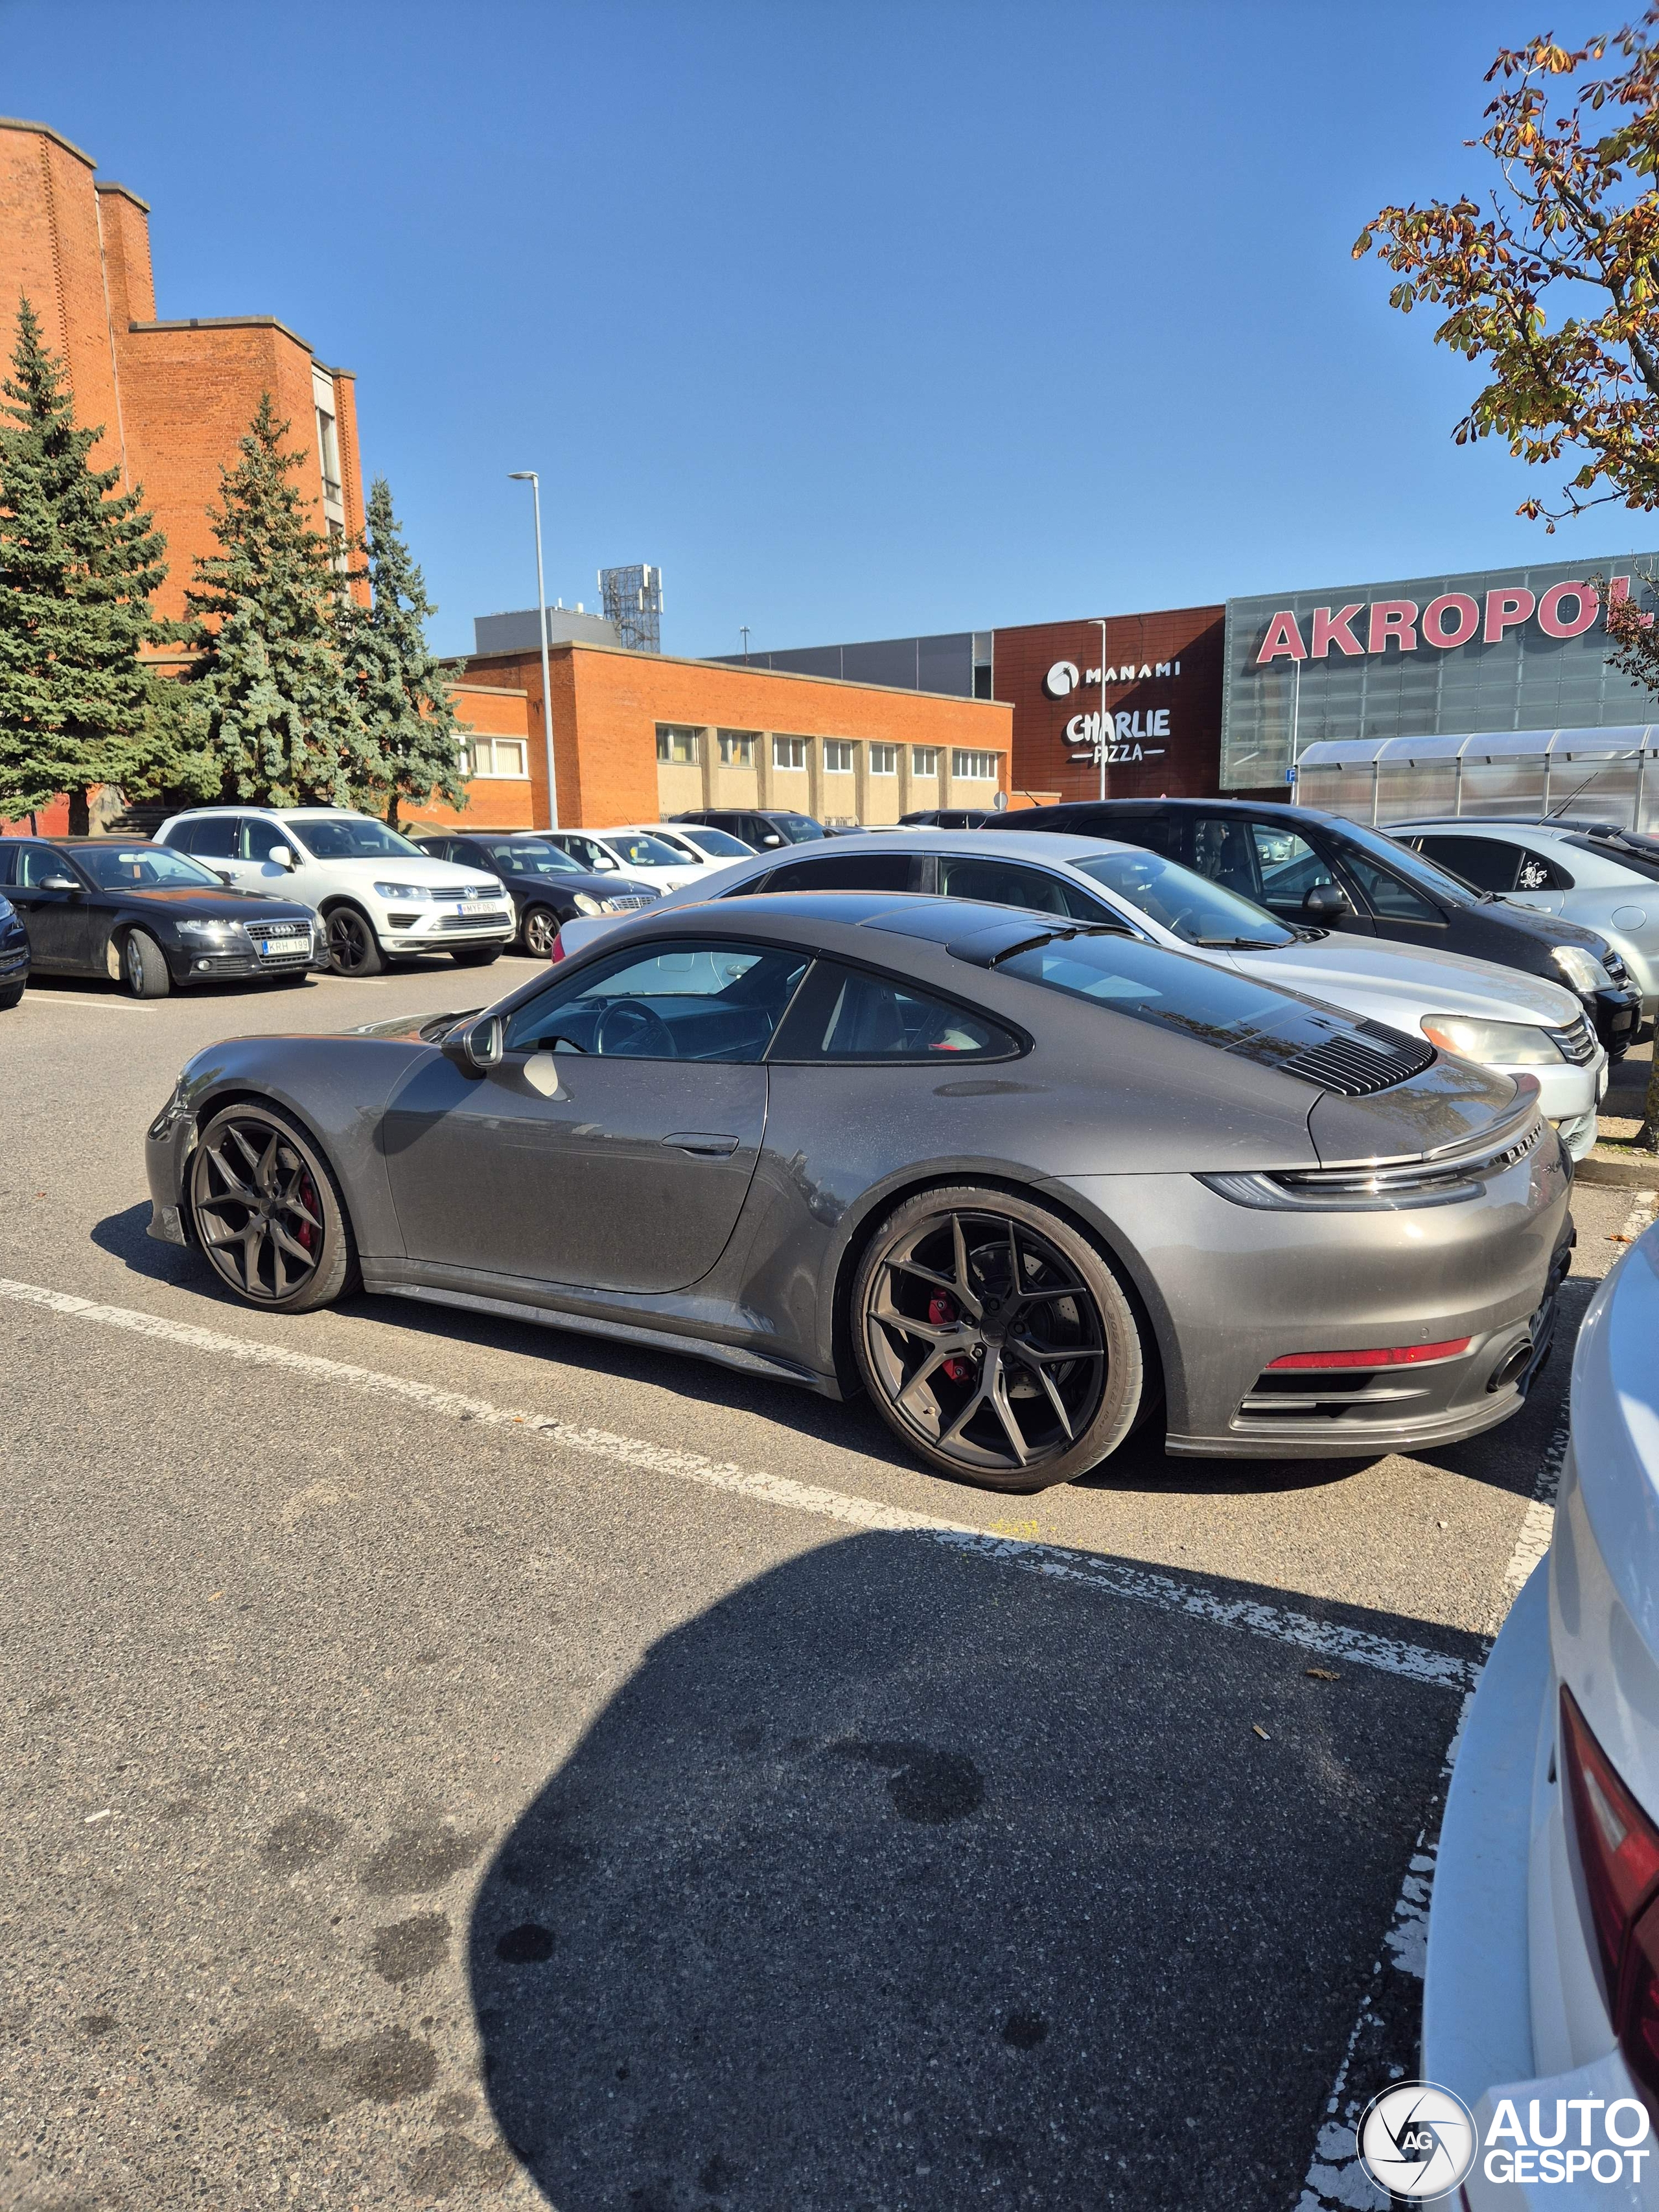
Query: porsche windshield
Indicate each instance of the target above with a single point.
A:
(1188, 905)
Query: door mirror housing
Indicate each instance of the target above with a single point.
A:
(476, 1047)
(282, 856)
(58, 884)
(771, 838)
(1327, 903)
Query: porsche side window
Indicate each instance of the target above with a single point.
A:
(708, 1001)
(844, 1014)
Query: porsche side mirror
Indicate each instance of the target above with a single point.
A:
(476, 1047)
(1327, 903)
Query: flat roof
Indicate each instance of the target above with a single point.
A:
(727, 668)
(21, 123)
(225, 323)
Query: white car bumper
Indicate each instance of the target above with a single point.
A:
(1569, 1097)
(1478, 1995)
(442, 925)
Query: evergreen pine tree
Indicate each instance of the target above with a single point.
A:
(273, 701)
(79, 562)
(403, 697)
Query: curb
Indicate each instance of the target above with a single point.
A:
(1622, 1175)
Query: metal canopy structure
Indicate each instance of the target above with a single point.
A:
(1510, 772)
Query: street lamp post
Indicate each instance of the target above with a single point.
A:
(1105, 744)
(530, 477)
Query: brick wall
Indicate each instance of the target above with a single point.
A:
(607, 704)
(492, 802)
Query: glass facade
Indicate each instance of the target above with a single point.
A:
(1495, 649)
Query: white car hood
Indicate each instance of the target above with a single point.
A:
(434, 874)
(1399, 983)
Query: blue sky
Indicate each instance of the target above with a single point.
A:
(858, 319)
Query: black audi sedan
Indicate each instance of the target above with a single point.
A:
(141, 915)
(13, 954)
(546, 885)
(1324, 872)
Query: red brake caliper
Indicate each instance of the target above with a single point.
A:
(942, 1311)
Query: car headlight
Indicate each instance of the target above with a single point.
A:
(587, 904)
(6, 907)
(1510, 1044)
(1580, 970)
(402, 894)
(213, 933)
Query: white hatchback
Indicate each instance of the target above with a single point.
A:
(640, 853)
(380, 898)
(1541, 2005)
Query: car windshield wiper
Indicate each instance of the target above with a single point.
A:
(1236, 944)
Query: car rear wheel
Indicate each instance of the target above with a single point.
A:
(476, 956)
(144, 966)
(266, 1213)
(996, 1341)
(353, 947)
(10, 997)
(541, 927)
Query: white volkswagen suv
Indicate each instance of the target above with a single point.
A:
(380, 898)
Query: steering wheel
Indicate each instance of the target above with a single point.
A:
(630, 1026)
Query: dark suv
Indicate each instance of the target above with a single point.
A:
(1322, 872)
(764, 827)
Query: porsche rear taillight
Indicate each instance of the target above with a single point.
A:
(1618, 1860)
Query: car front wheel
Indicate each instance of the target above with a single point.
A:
(266, 1213)
(144, 966)
(541, 927)
(353, 947)
(996, 1341)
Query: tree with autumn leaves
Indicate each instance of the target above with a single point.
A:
(1552, 285)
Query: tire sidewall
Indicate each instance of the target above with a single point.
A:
(353, 916)
(336, 1271)
(1128, 1365)
(152, 980)
(542, 914)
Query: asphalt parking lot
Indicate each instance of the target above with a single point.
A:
(446, 1761)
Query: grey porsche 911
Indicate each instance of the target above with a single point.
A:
(1029, 1182)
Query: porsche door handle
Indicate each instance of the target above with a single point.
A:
(703, 1144)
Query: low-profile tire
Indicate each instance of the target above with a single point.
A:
(996, 1340)
(540, 933)
(476, 956)
(144, 966)
(10, 997)
(353, 947)
(267, 1213)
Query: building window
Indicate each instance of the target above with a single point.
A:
(974, 767)
(328, 456)
(837, 756)
(736, 748)
(924, 760)
(788, 753)
(677, 744)
(884, 760)
(498, 757)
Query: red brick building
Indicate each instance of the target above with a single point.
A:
(172, 397)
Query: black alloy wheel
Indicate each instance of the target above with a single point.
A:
(996, 1341)
(266, 1213)
(541, 927)
(353, 947)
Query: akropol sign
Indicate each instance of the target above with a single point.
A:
(1565, 609)
(1423, 656)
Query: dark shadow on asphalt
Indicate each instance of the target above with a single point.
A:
(897, 1880)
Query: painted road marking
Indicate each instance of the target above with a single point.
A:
(36, 997)
(1058, 1562)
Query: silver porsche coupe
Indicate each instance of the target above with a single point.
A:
(1029, 1183)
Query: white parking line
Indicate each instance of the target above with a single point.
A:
(38, 998)
(1113, 1577)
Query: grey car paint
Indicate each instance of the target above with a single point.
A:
(748, 1251)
